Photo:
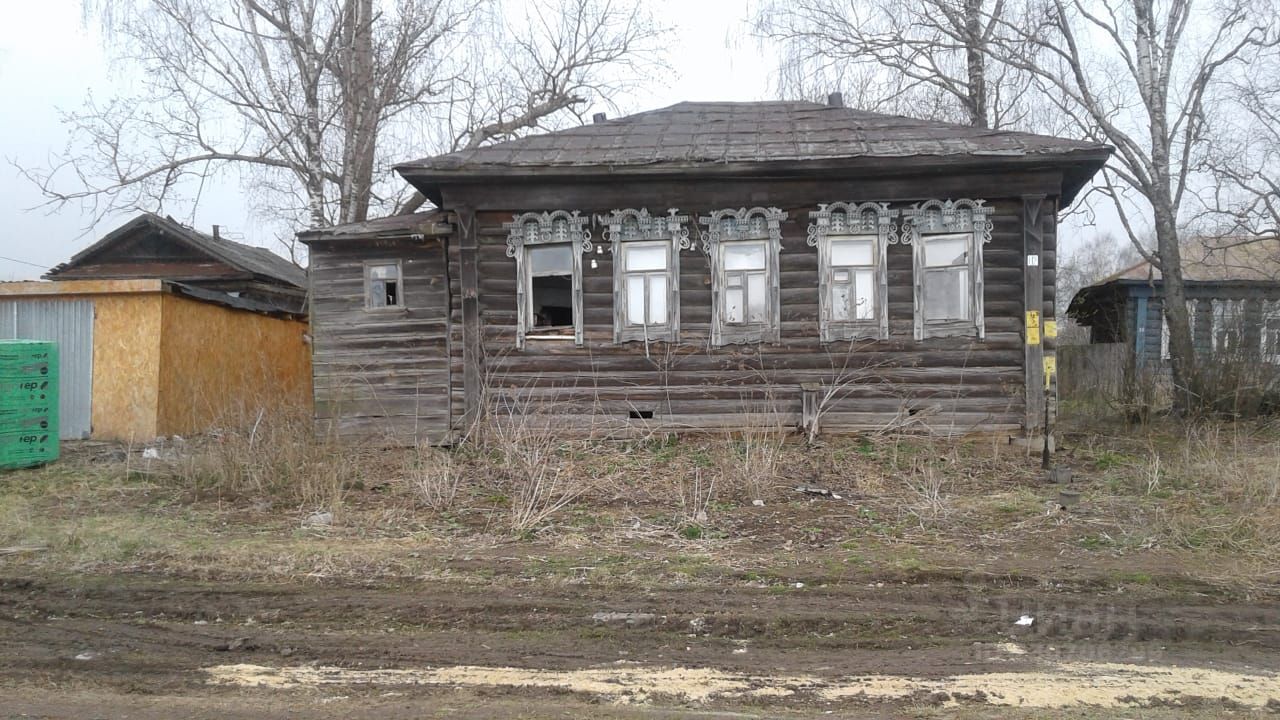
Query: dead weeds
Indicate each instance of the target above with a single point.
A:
(1167, 501)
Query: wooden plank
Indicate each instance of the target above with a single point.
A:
(472, 350)
(1033, 211)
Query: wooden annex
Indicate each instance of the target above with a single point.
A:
(702, 267)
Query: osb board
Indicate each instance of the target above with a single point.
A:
(78, 287)
(221, 366)
(126, 366)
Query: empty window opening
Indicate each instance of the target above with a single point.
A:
(383, 289)
(640, 414)
(551, 289)
(553, 302)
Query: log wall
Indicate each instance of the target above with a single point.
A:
(940, 385)
(381, 374)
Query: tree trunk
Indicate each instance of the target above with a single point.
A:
(359, 114)
(975, 56)
(1181, 350)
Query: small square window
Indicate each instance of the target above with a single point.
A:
(383, 286)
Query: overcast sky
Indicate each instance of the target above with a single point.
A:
(50, 61)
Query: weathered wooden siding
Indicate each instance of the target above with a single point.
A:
(944, 385)
(382, 374)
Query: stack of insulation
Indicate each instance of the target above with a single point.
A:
(28, 403)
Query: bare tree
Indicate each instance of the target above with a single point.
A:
(310, 101)
(552, 60)
(916, 57)
(1143, 76)
(1087, 262)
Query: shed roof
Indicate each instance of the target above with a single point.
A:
(700, 135)
(431, 223)
(245, 258)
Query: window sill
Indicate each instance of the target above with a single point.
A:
(396, 310)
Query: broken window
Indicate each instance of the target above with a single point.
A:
(551, 289)
(383, 287)
(852, 241)
(547, 248)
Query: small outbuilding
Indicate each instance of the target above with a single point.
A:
(163, 330)
(1232, 288)
(706, 266)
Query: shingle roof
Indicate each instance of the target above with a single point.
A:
(701, 133)
(246, 258)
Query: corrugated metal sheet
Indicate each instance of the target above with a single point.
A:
(69, 323)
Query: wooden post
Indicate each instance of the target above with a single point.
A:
(469, 278)
(809, 409)
(1033, 207)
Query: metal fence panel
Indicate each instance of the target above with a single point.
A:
(69, 323)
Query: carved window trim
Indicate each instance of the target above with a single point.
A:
(632, 225)
(869, 220)
(546, 228)
(727, 226)
(949, 217)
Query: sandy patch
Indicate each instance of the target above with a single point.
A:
(1063, 685)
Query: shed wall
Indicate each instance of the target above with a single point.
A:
(126, 366)
(381, 374)
(219, 365)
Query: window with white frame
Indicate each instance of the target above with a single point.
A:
(547, 248)
(852, 242)
(742, 246)
(1228, 324)
(1270, 331)
(947, 237)
(646, 273)
(383, 287)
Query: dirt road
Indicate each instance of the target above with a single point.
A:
(138, 646)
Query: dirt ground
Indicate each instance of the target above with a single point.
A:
(970, 593)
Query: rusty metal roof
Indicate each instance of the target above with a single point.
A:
(702, 133)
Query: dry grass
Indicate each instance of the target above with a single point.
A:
(1199, 500)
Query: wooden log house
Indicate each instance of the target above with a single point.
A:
(706, 266)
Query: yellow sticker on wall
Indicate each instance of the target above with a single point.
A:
(1050, 369)
(1050, 329)
(1033, 335)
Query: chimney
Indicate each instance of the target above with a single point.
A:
(835, 100)
(217, 232)
(598, 118)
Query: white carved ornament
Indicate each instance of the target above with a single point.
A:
(943, 216)
(757, 223)
(557, 226)
(841, 218)
(631, 224)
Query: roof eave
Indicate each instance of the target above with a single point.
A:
(1086, 162)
